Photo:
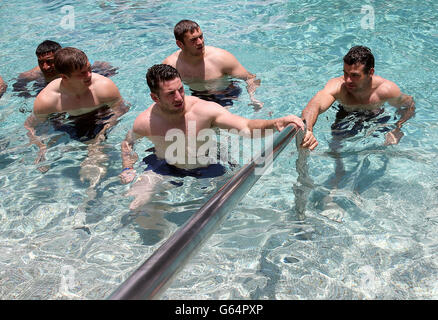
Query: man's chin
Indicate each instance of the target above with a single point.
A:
(200, 52)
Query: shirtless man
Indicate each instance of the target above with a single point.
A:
(358, 90)
(361, 95)
(173, 110)
(3, 87)
(45, 71)
(91, 101)
(206, 70)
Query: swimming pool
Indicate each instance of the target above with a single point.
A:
(385, 245)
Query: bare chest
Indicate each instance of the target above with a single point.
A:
(351, 103)
(188, 127)
(79, 104)
(198, 72)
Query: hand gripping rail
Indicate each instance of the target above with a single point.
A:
(150, 279)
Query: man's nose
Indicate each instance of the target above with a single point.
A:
(178, 96)
(46, 66)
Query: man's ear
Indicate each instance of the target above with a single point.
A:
(154, 97)
(64, 77)
(371, 72)
(180, 44)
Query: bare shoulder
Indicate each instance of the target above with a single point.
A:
(48, 100)
(334, 86)
(141, 125)
(102, 81)
(105, 88)
(216, 51)
(218, 54)
(194, 103)
(386, 89)
(171, 60)
(204, 109)
(334, 82)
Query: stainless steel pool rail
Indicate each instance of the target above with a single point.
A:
(154, 275)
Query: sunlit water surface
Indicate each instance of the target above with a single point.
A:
(383, 247)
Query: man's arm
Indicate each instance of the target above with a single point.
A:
(23, 80)
(129, 157)
(109, 94)
(31, 122)
(45, 104)
(317, 105)
(406, 108)
(405, 105)
(224, 119)
(234, 68)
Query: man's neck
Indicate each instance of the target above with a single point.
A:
(78, 90)
(173, 117)
(192, 59)
(365, 92)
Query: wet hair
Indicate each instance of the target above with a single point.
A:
(362, 55)
(69, 59)
(47, 46)
(184, 26)
(160, 73)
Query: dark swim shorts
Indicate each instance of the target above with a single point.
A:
(84, 127)
(348, 124)
(21, 86)
(224, 98)
(161, 167)
(103, 68)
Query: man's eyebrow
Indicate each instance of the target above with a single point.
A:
(352, 72)
(191, 38)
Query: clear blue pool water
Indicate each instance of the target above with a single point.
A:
(385, 246)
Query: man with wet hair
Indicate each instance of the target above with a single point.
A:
(360, 93)
(172, 109)
(83, 104)
(3, 86)
(207, 70)
(45, 71)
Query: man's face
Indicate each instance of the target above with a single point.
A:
(82, 75)
(194, 42)
(170, 96)
(355, 77)
(46, 62)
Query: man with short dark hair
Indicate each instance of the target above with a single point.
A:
(360, 92)
(206, 69)
(361, 96)
(173, 110)
(45, 71)
(91, 104)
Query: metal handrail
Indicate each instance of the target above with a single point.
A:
(154, 275)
